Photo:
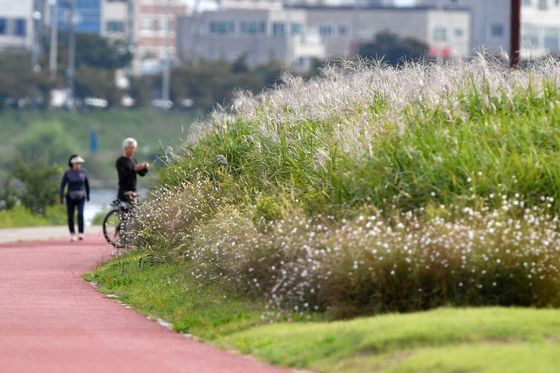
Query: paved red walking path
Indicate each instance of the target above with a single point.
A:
(51, 320)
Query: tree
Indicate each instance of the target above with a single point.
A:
(392, 49)
(95, 51)
(39, 182)
(18, 81)
(92, 82)
(44, 141)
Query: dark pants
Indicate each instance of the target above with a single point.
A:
(71, 205)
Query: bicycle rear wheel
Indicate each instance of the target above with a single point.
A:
(112, 229)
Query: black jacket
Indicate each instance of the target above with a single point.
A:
(127, 175)
(77, 180)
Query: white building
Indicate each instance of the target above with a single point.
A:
(114, 19)
(259, 35)
(490, 22)
(540, 27)
(16, 24)
(343, 29)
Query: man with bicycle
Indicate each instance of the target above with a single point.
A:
(128, 168)
(115, 224)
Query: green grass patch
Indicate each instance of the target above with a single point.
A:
(20, 216)
(404, 342)
(443, 340)
(166, 289)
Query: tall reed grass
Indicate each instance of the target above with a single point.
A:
(375, 189)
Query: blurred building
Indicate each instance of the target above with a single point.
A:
(297, 35)
(155, 23)
(540, 28)
(115, 19)
(16, 24)
(342, 29)
(491, 25)
(259, 36)
(87, 15)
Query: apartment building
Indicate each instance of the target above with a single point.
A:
(114, 18)
(259, 35)
(490, 22)
(16, 24)
(540, 28)
(447, 32)
(297, 35)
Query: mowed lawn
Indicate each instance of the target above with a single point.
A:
(441, 340)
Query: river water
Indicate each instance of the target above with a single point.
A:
(100, 200)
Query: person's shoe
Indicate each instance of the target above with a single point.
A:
(81, 236)
(73, 238)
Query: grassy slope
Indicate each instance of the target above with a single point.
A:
(446, 340)
(340, 154)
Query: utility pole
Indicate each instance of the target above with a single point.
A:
(441, 14)
(35, 49)
(130, 27)
(53, 53)
(515, 34)
(71, 70)
(165, 82)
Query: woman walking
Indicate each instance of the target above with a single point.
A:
(77, 194)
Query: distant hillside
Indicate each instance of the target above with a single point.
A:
(154, 131)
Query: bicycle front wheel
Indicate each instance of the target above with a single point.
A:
(112, 229)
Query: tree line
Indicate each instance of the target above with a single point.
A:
(204, 84)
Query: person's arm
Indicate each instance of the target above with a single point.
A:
(143, 171)
(142, 168)
(87, 188)
(62, 186)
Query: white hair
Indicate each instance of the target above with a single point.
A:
(128, 142)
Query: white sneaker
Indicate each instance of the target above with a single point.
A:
(73, 238)
(81, 237)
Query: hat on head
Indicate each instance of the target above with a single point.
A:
(77, 159)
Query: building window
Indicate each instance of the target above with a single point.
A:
(296, 29)
(497, 29)
(543, 4)
(551, 39)
(343, 30)
(3, 26)
(326, 30)
(557, 2)
(439, 33)
(530, 36)
(527, 2)
(253, 27)
(20, 27)
(459, 32)
(221, 27)
(278, 29)
(145, 24)
(115, 26)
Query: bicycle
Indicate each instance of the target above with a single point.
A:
(116, 224)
